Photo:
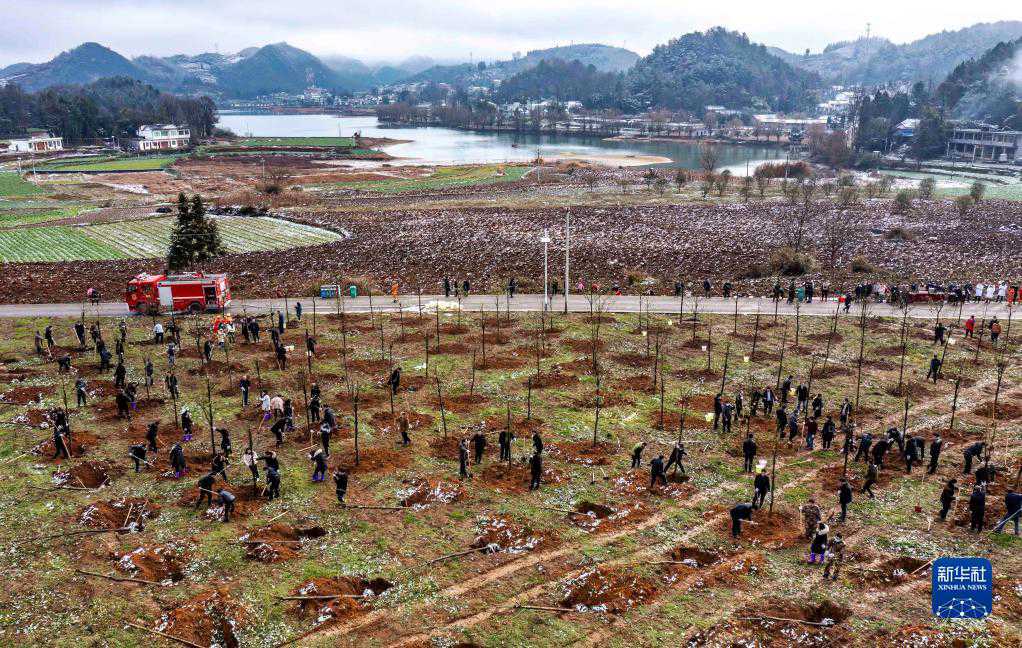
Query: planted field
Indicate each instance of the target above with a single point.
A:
(149, 238)
(597, 555)
(32, 213)
(11, 184)
(98, 165)
(58, 243)
(443, 178)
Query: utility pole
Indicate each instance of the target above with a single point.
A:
(567, 247)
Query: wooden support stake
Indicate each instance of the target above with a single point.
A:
(118, 578)
(165, 635)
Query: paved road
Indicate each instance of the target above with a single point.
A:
(523, 303)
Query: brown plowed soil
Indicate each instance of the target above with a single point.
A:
(278, 542)
(130, 512)
(501, 534)
(607, 590)
(210, 618)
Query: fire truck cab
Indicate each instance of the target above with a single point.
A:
(192, 291)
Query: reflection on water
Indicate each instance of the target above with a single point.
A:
(450, 146)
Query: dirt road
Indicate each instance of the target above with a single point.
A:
(534, 303)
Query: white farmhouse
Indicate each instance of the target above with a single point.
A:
(38, 141)
(160, 137)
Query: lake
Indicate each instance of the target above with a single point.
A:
(450, 146)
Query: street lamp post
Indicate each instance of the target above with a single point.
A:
(545, 240)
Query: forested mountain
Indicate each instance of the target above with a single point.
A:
(988, 88)
(877, 61)
(564, 81)
(718, 67)
(604, 58)
(110, 107)
(83, 64)
(273, 68)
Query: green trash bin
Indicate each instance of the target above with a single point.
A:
(353, 291)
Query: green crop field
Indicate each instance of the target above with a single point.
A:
(11, 184)
(57, 243)
(32, 213)
(324, 142)
(443, 178)
(149, 238)
(147, 163)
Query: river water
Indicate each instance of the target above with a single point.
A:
(434, 145)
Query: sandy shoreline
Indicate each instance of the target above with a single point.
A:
(609, 159)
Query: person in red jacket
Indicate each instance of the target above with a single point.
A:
(970, 326)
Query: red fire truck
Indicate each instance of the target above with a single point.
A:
(192, 291)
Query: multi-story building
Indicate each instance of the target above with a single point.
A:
(160, 137)
(985, 144)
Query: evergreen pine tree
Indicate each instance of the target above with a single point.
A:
(195, 237)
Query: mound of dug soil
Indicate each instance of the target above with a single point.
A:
(694, 557)
(548, 380)
(387, 423)
(208, 619)
(421, 493)
(600, 517)
(278, 542)
(583, 453)
(1006, 411)
(89, 474)
(461, 403)
(515, 479)
(129, 513)
(163, 563)
(498, 533)
(372, 459)
(80, 444)
(776, 531)
(889, 573)
(607, 590)
(779, 624)
(336, 598)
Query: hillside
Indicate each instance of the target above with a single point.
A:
(604, 58)
(84, 64)
(564, 80)
(877, 61)
(718, 67)
(987, 88)
(273, 68)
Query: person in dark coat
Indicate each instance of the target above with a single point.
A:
(272, 483)
(1013, 510)
(395, 380)
(152, 430)
(740, 512)
(137, 454)
(819, 544)
(677, 455)
(865, 443)
(463, 459)
(656, 471)
(872, 474)
(177, 460)
(479, 446)
(947, 497)
(844, 498)
(970, 454)
(226, 499)
(977, 508)
(637, 454)
(535, 471)
(205, 485)
(748, 453)
(341, 485)
(761, 487)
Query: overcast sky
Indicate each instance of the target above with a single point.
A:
(373, 30)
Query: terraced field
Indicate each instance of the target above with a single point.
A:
(149, 238)
(443, 178)
(111, 163)
(15, 214)
(11, 184)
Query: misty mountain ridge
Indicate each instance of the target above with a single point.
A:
(878, 61)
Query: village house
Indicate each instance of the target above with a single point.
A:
(159, 137)
(38, 141)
